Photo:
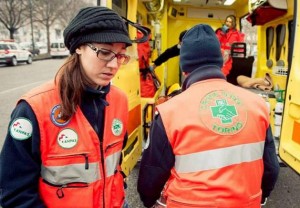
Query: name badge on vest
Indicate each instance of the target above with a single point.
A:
(67, 138)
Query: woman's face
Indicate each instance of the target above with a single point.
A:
(99, 71)
(229, 22)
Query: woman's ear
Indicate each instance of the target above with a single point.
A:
(78, 51)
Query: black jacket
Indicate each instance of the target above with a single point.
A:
(166, 55)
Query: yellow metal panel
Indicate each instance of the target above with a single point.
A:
(289, 149)
(132, 152)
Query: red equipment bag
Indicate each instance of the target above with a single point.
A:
(148, 80)
(148, 88)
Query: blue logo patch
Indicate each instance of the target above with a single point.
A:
(56, 117)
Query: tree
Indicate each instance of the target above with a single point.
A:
(46, 12)
(12, 15)
(73, 6)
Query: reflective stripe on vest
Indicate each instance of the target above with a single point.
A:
(58, 175)
(219, 158)
(112, 162)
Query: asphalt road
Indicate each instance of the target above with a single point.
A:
(14, 81)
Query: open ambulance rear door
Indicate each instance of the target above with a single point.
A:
(289, 147)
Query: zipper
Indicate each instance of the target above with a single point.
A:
(101, 147)
(59, 192)
(86, 158)
(103, 173)
(112, 145)
(96, 113)
(96, 128)
(85, 155)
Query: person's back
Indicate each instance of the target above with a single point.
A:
(215, 146)
(218, 148)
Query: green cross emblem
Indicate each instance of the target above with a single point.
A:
(223, 111)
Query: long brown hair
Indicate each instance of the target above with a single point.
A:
(71, 80)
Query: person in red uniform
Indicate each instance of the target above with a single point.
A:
(64, 141)
(212, 144)
(227, 35)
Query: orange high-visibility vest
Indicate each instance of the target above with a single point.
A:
(218, 139)
(78, 171)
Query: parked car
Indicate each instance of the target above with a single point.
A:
(28, 46)
(42, 47)
(11, 53)
(58, 50)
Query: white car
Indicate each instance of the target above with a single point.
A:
(58, 50)
(11, 54)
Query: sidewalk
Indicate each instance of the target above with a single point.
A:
(41, 57)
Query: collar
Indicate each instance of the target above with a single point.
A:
(91, 93)
(100, 92)
(202, 73)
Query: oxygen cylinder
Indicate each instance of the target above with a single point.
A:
(278, 113)
(278, 118)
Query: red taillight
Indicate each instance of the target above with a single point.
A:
(6, 51)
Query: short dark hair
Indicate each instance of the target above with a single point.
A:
(181, 35)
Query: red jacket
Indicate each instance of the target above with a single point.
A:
(218, 142)
(77, 169)
(226, 39)
(144, 52)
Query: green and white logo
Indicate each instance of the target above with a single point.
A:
(67, 138)
(117, 127)
(21, 129)
(223, 112)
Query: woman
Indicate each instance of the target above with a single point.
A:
(228, 35)
(65, 137)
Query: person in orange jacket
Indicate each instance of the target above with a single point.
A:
(64, 141)
(218, 149)
(227, 35)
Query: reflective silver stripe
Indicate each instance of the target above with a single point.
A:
(58, 175)
(112, 162)
(218, 158)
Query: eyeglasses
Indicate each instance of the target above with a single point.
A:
(108, 55)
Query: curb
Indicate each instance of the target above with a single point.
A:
(41, 57)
